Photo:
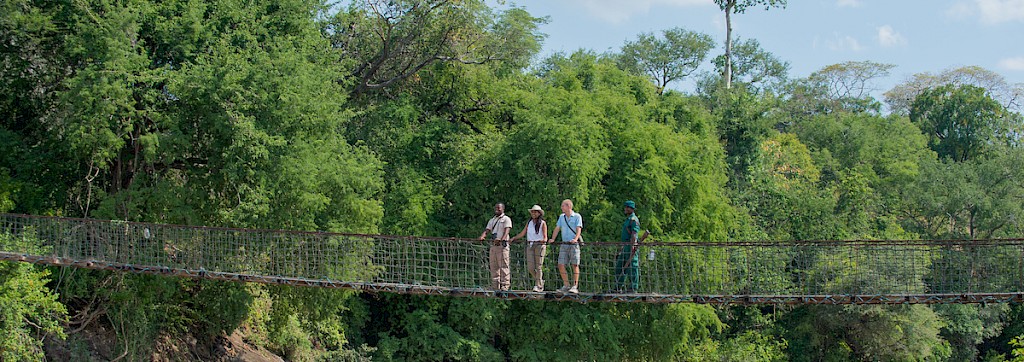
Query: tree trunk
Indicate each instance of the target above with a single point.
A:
(728, 44)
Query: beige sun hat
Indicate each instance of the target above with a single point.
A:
(537, 208)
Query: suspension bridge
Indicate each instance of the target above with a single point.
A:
(763, 272)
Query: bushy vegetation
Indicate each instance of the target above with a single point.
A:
(415, 116)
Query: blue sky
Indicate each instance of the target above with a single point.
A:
(916, 35)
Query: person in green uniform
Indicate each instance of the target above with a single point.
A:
(627, 264)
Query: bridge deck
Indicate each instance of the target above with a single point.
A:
(582, 297)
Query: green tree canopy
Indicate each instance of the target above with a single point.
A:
(752, 65)
(674, 56)
(837, 88)
(961, 122)
(410, 35)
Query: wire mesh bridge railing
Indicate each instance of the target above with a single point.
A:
(797, 272)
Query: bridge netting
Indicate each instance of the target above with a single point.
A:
(779, 272)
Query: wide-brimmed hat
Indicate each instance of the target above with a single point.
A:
(537, 208)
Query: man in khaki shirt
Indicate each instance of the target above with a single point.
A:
(498, 227)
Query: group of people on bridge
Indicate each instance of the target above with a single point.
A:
(570, 227)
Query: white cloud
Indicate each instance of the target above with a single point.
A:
(849, 3)
(888, 37)
(617, 11)
(988, 11)
(843, 43)
(1016, 64)
(998, 11)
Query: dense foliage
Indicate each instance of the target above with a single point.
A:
(415, 116)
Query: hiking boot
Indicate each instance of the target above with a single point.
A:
(574, 290)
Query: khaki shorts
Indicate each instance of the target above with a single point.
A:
(569, 254)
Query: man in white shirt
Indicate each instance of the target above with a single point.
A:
(498, 227)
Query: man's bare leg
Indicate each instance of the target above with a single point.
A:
(565, 277)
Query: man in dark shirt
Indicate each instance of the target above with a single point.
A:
(627, 264)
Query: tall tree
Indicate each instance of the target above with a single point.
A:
(1011, 96)
(191, 111)
(838, 87)
(386, 42)
(738, 7)
(962, 122)
(676, 55)
(851, 79)
(752, 65)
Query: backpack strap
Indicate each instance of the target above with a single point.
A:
(567, 226)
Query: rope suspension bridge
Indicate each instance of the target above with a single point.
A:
(770, 272)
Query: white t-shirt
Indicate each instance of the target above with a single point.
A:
(532, 234)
